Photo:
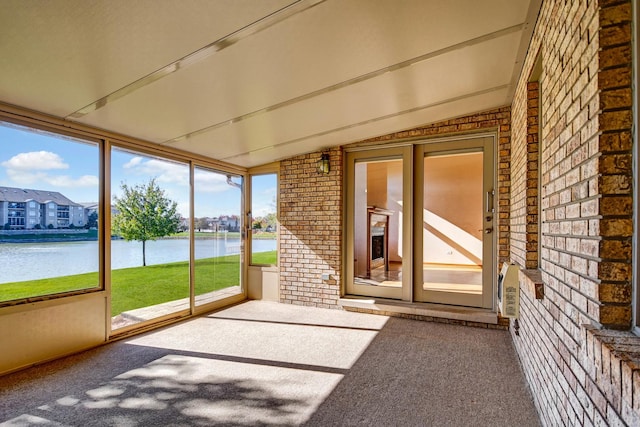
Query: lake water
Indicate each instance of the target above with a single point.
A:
(30, 261)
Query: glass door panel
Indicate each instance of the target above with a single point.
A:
(218, 248)
(377, 218)
(455, 258)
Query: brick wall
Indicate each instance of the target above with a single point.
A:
(532, 176)
(581, 371)
(518, 217)
(525, 183)
(310, 231)
(582, 364)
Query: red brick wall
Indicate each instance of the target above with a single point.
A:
(579, 370)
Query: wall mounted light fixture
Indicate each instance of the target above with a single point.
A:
(323, 164)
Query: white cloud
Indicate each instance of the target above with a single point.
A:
(135, 161)
(183, 209)
(208, 182)
(32, 169)
(35, 160)
(164, 172)
(28, 178)
(67, 181)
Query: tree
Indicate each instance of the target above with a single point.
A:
(92, 220)
(144, 213)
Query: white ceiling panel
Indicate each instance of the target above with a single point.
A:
(230, 79)
(477, 103)
(61, 55)
(441, 79)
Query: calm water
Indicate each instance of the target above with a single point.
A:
(29, 261)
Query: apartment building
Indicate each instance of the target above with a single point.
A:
(28, 209)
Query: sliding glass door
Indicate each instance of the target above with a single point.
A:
(419, 222)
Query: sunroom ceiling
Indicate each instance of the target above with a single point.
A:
(254, 81)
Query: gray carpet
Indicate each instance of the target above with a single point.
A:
(262, 363)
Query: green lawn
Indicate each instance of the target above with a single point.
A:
(143, 286)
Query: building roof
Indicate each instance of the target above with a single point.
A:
(13, 194)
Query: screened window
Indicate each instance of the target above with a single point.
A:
(264, 220)
(45, 256)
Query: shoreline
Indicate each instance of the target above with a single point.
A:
(95, 238)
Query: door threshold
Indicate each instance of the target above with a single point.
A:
(436, 311)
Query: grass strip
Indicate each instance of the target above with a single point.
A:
(138, 287)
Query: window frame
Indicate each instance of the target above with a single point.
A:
(38, 122)
(269, 169)
(39, 127)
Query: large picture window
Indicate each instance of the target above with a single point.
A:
(49, 190)
(172, 237)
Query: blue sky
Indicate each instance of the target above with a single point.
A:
(41, 161)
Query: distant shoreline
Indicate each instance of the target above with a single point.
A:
(93, 236)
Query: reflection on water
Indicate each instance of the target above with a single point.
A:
(30, 261)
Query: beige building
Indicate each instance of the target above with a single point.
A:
(461, 136)
(27, 209)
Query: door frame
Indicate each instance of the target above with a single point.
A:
(405, 153)
(412, 221)
(454, 145)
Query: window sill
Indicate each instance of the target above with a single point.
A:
(614, 360)
(532, 283)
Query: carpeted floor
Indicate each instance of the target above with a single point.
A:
(262, 363)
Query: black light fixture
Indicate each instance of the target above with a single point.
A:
(323, 164)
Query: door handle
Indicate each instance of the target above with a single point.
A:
(488, 230)
(489, 201)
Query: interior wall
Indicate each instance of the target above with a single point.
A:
(452, 232)
(393, 193)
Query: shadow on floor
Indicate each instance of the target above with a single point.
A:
(275, 364)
